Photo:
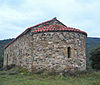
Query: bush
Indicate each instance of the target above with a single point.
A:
(1, 62)
(95, 58)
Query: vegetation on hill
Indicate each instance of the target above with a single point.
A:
(2, 44)
(95, 58)
(90, 43)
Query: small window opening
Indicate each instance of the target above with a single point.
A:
(7, 59)
(69, 52)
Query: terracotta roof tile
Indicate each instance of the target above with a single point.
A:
(57, 28)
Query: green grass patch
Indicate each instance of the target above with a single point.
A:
(39, 79)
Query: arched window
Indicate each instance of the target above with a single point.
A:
(69, 52)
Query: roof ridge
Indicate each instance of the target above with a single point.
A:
(42, 22)
(61, 22)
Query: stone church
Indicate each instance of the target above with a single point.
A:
(50, 45)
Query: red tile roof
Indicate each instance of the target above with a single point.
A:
(57, 28)
(48, 28)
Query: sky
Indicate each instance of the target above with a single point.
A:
(18, 15)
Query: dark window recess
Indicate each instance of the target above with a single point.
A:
(69, 52)
(7, 59)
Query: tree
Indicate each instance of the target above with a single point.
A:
(1, 62)
(95, 58)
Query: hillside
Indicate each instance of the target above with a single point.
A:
(2, 44)
(90, 43)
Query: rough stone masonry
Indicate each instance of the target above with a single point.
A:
(50, 45)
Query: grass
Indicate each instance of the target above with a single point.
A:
(36, 79)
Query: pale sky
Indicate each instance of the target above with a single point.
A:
(18, 15)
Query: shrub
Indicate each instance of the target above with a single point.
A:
(95, 58)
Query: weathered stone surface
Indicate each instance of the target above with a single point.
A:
(48, 50)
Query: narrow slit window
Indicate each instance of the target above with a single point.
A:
(7, 59)
(69, 52)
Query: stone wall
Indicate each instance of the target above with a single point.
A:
(48, 51)
(18, 51)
